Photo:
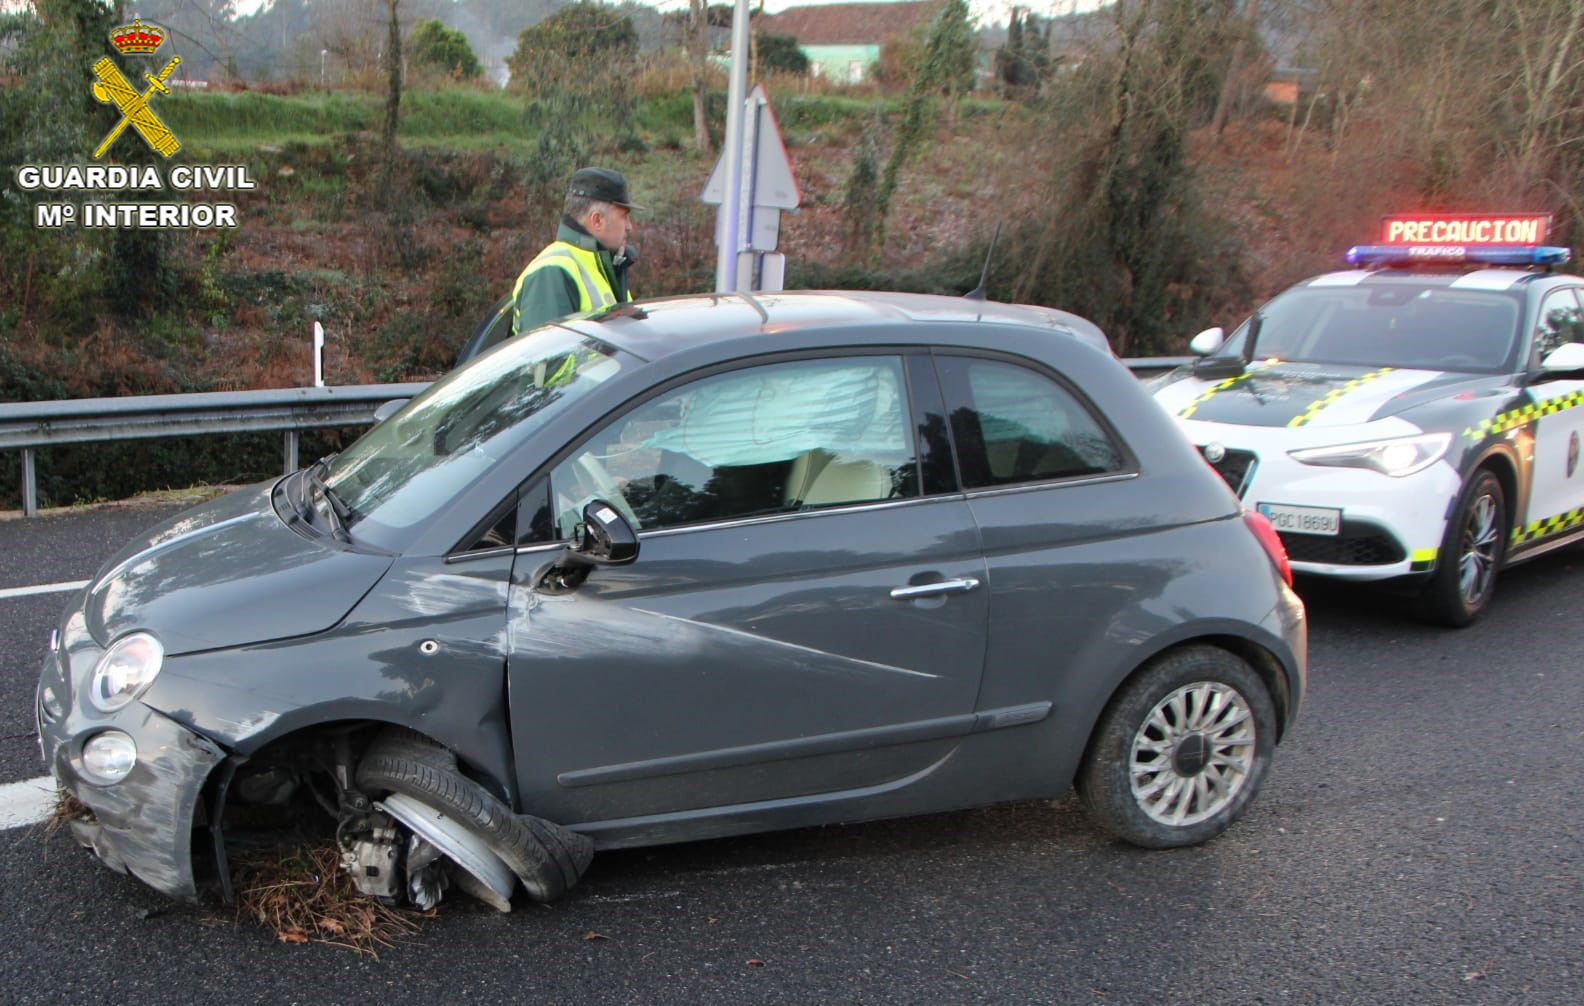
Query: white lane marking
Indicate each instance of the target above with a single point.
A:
(43, 588)
(27, 802)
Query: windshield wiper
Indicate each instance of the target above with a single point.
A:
(336, 511)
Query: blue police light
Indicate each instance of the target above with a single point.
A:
(1509, 255)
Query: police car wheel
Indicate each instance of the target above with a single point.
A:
(1180, 750)
(1471, 551)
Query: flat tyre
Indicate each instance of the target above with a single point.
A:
(546, 857)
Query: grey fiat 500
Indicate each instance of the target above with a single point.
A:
(695, 567)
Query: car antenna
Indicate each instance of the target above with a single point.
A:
(978, 292)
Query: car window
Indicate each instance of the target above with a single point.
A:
(1401, 325)
(397, 473)
(1561, 322)
(763, 440)
(1014, 425)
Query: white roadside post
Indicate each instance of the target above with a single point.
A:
(292, 436)
(318, 354)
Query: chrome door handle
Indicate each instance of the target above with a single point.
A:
(961, 585)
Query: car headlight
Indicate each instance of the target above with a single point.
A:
(125, 670)
(1396, 457)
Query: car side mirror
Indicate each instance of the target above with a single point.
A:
(1207, 342)
(603, 538)
(388, 409)
(1567, 358)
(1209, 366)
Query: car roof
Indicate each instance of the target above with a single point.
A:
(652, 329)
(1515, 280)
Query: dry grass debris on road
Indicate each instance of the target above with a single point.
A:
(302, 895)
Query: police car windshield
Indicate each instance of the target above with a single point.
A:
(1400, 325)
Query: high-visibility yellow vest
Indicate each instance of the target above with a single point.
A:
(594, 291)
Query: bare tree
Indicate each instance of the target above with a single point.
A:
(1547, 82)
(1235, 68)
(393, 63)
(697, 34)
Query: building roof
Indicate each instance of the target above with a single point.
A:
(849, 23)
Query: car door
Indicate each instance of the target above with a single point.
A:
(1556, 489)
(802, 618)
(1064, 521)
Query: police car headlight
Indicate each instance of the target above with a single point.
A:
(1397, 457)
(125, 670)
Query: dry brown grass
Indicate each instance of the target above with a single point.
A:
(302, 896)
(67, 809)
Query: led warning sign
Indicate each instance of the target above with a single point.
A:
(1466, 229)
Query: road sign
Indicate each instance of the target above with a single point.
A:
(751, 224)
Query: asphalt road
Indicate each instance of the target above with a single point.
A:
(1418, 841)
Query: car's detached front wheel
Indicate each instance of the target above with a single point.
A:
(469, 825)
(1180, 750)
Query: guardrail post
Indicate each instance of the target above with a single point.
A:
(29, 484)
(291, 452)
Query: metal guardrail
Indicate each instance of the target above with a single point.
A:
(27, 426)
(31, 425)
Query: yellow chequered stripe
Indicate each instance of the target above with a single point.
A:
(1214, 390)
(1523, 416)
(1330, 397)
(1421, 558)
(1551, 525)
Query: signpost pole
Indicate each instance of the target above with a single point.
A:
(727, 224)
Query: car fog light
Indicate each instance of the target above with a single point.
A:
(109, 757)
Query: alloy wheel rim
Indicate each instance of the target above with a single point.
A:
(1192, 754)
(1477, 564)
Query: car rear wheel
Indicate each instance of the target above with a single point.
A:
(1181, 750)
(1472, 548)
(467, 823)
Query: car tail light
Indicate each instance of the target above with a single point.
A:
(1267, 537)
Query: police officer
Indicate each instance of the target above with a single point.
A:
(585, 267)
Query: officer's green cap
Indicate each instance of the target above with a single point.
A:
(602, 184)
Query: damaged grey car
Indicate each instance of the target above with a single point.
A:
(690, 568)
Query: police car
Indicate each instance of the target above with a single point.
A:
(1416, 416)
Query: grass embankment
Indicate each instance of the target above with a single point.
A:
(399, 253)
(236, 122)
(472, 119)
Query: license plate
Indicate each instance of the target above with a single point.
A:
(1302, 519)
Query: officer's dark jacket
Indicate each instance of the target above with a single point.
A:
(572, 274)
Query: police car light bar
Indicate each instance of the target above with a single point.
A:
(1511, 239)
(1511, 255)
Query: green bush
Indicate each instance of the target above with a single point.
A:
(446, 50)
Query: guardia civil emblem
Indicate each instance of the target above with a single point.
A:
(111, 87)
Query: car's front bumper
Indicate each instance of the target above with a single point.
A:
(142, 824)
(1390, 526)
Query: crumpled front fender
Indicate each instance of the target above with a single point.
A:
(143, 824)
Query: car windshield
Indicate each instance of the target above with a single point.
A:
(399, 472)
(1409, 326)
